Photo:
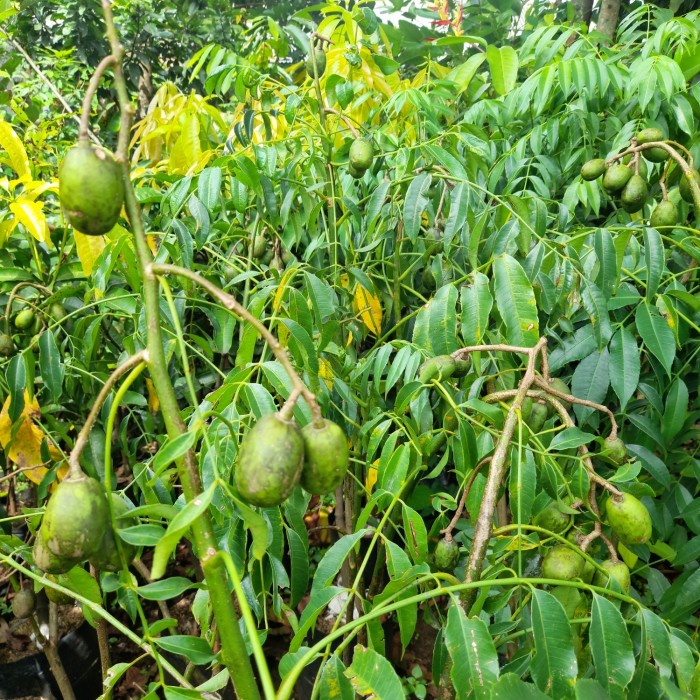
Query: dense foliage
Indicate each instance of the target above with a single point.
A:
(469, 226)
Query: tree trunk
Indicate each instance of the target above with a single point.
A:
(608, 17)
(582, 11)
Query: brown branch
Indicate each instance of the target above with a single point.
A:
(105, 63)
(484, 522)
(462, 501)
(349, 124)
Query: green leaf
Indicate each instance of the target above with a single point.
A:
(595, 303)
(166, 589)
(436, 324)
(654, 255)
(52, 369)
(142, 535)
(195, 649)
(372, 675)
(516, 302)
(625, 365)
(590, 381)
(177, 528)
(659, 641)
(209, 187)
(416, 535)
(503, 63)
(522, 486)
(510, 687)
(553, 666)
(607, 276)
(16, 377)
(459, 204)
(474, 658)
(656, 334)
(333, 559)
(611, 646)
(676, 410)
(414, 205)
(476, 302)
(333, 684)
(173, 450)
(569, 438)
(299, 559)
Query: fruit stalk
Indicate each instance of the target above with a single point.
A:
(83, 129)
(81, 441)
(232, 305)
(234, 652)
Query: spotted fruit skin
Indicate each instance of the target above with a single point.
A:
(552, 519)
(446, 554)
(23, 604)
(629, 519)
(361, 154)
(76, 518)
(270, 461)
(562, 563)
(47, 561)
(617, 570)
(91, 189)
(326, 457)
(615, 450)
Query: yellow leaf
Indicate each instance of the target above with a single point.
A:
(369, 308)
(282, 288)
(153, 400)
(519, 544)
(187, 151)
(10, 142)
(89, 248)
(325, 371)
(6, 228)
(371, 478)
(22, 442)
(31, 215)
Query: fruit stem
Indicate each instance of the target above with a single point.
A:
(83, 129)
(232, 305)
(355, 133)
(81, 441)
(234, 653)
(287, 409)
(484, 522)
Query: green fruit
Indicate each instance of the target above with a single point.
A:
(629, 519)
(634, 194)
(259, 246)
(266, 259)
(446, 554)
(23, 604)
(616, 177)
(665, 214)
(526, 408)
(588, 571)
(107, 556)
(434, 242)
(563, 388)
(76, 518)
(615, 450)
(320, 56)
(655, 155)
(538, 416)
(552, 519)
(91, 189)
(615, 570)
(361, 154)
(270, 461)
(24, 319)
(57, 312)
(593, 169)
(570, 598)
(326, 457)
(57, 596)
(562, 563)
(462, 367)
(642, 165)
(287, 256)
(47, 561)
(440, 367)
(357, 173)
(7, 346)
(684, 186)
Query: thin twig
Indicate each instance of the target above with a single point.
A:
(349, 124)
(81, 441)
(105, 63)
(146, 575)
(49, 647)
(462, 501)
(232, 305)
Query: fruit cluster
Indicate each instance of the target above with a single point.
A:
(28, 325)
(275, 456)
(77, 527)
(627, 178)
